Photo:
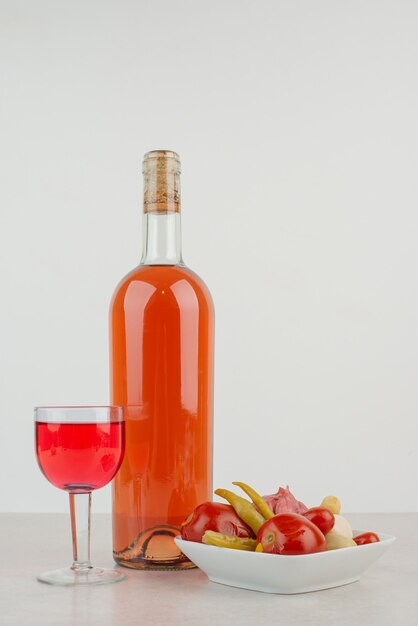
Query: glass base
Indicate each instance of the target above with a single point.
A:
(90, 576)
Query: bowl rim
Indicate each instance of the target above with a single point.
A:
(383, 537)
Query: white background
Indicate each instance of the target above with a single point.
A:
(297, 126)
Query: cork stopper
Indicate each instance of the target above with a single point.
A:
(161, 169)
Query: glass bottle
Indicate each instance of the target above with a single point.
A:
(161, 358)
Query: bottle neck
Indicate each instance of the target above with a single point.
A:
(162, 239)
(162, 229)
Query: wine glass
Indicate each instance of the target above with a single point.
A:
(79, 449)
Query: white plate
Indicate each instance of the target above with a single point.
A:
(273, 573)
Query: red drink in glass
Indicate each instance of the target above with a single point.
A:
(79, 449)
(79, 457)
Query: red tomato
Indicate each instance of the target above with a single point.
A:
(290, 533)
(361, 540)
(321, 517)
(214, 516)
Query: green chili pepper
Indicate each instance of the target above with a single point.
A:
(213, 538)
(243, 508)
(258, 500)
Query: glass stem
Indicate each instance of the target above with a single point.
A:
(80, 506)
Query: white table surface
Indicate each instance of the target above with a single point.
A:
(31, 543)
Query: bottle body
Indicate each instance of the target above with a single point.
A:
(161, 337)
